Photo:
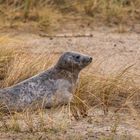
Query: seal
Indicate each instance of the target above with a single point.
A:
(50, 88)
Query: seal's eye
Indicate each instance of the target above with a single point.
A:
(77, 57)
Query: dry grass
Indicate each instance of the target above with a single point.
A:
(49, 14)
(19, 64)
(118, 91)
(113, 11)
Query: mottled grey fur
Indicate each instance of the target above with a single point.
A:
(49, 88)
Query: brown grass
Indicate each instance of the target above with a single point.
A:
(113, 11)
(118, 91)
(49, 14)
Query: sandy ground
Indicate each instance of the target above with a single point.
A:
(97, 126)
(112, 52)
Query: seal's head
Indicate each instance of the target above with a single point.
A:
(73, 61)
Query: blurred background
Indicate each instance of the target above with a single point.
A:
(50, 15)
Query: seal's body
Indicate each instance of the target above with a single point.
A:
(50, 88)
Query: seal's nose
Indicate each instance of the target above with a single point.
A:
(90, 59)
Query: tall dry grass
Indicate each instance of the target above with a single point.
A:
(47, 12)
(113, 11)
(18, 65)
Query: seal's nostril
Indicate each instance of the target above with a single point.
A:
(90, 58)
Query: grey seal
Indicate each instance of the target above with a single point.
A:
(50, 88)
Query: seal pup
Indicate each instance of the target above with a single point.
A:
(50, 88)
